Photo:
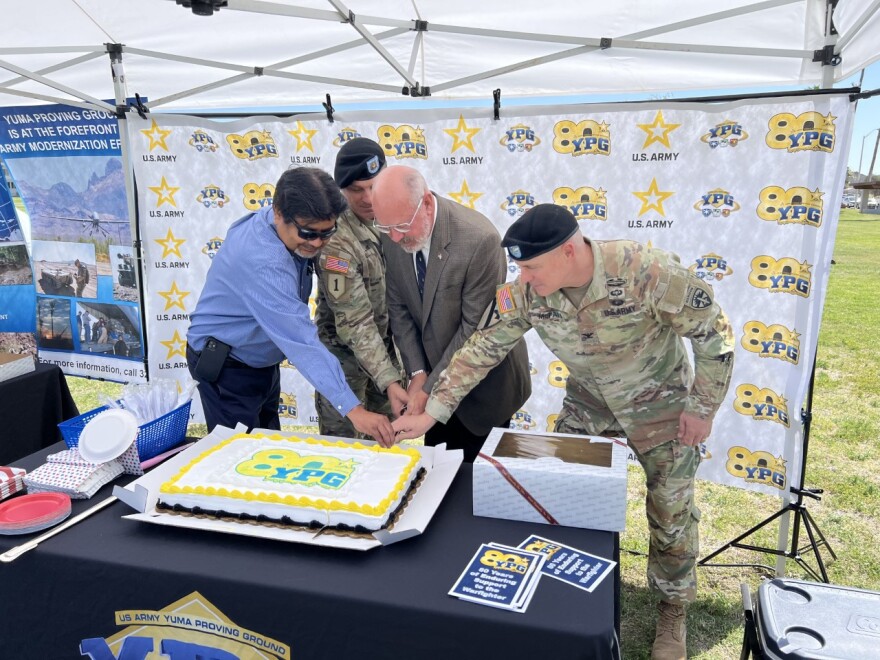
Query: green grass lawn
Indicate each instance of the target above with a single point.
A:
(843, 461)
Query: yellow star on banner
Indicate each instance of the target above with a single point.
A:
(174, 297)
(462, 136)
(304, 137)
(465, 196)
(816, 197)
(658, 131)
(176, 346)
(653, 198)
(170, 245)
(157, 136)
(165, 192)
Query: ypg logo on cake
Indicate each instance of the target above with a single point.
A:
(403, 141)
(809, 131)
(796, 205)
(253, 145)
(785, 275)
(286, 466)
(583, 137)
(585, 203)
(726, 134)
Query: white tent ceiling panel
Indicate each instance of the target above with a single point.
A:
(550, 47)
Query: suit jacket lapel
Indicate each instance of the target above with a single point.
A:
(437, 261)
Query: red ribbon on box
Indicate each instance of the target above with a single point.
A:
(520, 489)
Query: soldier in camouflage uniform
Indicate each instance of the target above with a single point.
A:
(352, 316)
(614, 313)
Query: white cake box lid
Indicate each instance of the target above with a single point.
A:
(552, 478)
(441, 466)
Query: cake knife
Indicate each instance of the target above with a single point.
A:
(19, 550)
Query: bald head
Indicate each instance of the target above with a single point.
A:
(404, 206)
(399, 185)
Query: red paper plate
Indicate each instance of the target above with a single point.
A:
(26, 509)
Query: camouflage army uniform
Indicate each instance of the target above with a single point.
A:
(629, 375)
(352, 320)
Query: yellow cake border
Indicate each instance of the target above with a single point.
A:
(290, 500)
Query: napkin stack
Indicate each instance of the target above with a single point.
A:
(10, 481)
(68, 472)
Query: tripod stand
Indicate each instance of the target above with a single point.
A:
(802, 517)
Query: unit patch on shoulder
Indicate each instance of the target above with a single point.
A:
(697, 298)
(337, 287)
(504, 299)
(336, 264)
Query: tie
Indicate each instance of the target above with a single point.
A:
(420, 272)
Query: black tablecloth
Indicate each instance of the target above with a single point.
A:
(31, 406)
(389, 602)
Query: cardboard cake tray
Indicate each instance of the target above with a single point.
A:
(441, 467)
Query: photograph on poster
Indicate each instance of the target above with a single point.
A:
(79, 198)
(53, 324)
(65, 269)
(9, 229)
(18, 343)
(109, 329)
(15, 268)
(122, 268)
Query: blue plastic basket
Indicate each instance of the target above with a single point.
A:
(153, 438)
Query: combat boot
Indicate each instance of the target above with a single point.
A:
(669, 642)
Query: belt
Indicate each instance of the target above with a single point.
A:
(228, 363)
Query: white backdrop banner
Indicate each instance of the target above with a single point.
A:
(745, 192)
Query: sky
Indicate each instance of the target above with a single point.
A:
(867, 122)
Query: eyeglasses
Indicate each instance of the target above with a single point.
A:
(311, 235)
(402, 227)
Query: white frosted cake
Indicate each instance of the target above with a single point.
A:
(295, 481)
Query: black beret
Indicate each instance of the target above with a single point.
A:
(359, 159)
(540, 229)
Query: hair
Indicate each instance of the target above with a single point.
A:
(309, 195)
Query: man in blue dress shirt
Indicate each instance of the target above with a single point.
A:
(253, 312)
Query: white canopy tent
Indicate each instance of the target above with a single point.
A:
(291, 53)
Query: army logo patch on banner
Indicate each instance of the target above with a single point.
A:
(697, 298)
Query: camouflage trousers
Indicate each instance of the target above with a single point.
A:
(673, 517)
(331, 422)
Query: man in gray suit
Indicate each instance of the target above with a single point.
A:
(443, 264)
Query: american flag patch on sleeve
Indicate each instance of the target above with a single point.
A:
(504, 298)
(336, 264)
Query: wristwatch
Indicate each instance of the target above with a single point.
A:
(416, 373)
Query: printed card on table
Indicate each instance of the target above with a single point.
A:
(573, 566)
(499, 576)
